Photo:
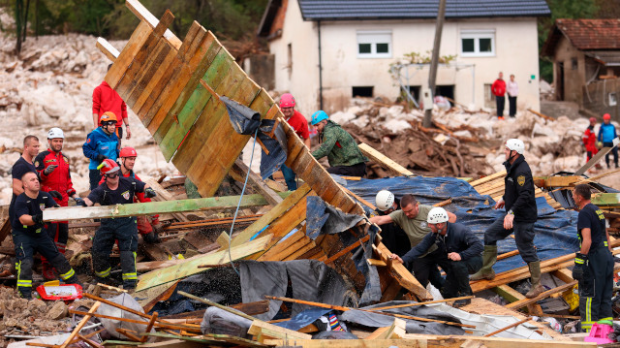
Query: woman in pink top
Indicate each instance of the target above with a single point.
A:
(513, 90)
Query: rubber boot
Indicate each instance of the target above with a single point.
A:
(489, 257)
(49, 273)
(537, 288)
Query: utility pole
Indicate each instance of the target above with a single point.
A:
(432, 76)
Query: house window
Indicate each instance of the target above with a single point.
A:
(374, 44)
(362, 91)
(574, 64)
(613, 99)
(478, 43)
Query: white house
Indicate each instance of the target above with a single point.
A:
(327, 51)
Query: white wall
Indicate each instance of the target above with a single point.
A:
(516, 52)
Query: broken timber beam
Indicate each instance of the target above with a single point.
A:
(606, 199)
(528, 301)
(557, 181)
(383, 160)
(124, 210)
(401, 274)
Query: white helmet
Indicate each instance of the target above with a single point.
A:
(384, 200)
(437, 215)
(515, 145)
(55, 133)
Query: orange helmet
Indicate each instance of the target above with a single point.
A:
(108, 166)
(607, 117)
(107, 116)
(128, 152)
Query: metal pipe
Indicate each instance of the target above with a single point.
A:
(320, 69)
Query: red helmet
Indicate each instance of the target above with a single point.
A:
(128, 152)
(606, 117)
(287, 100)
(108, 166)
(592, 119)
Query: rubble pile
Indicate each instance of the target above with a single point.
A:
(51, 86)
(551, 146)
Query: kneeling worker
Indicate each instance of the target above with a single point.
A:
(458, 253)
(344, 157)
(30, 235)
(116, 190)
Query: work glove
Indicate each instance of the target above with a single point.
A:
(581, 263)
(55, 194)
(149, 193)
(37, 219)
(50, 169)
(79, 201)
(100, 158)
(151, 237)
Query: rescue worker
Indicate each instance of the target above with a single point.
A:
(100, 144)
(148, 226)
(606, 136)
(344, 157)
(116, 190)
(394, 237)
(30, 236)
(521, 214)
(22, 166)
(589, 139)
(594, 263)
(412, 219)
(299, 123)
(457, 252)
(54, 171)
(106, 99)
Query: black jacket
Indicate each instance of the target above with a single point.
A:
(519, 195)
(459, 239)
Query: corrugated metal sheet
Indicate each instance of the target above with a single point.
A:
(418, 9)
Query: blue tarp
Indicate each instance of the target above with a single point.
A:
(556, 232)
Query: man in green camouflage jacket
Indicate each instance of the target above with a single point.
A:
(344, 157)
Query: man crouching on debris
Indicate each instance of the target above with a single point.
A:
(116, 190)
(594, 263)
(30, 235)
(457, 253)
(343, 155)
(521, 214)
(412, 219)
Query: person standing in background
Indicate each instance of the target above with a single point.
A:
(512, 88)
(499, 90)
(106, 99)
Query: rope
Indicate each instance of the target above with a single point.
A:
(245, 184)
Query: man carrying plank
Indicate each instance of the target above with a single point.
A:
(116, 190)
(457, 252)
(30, 235)
(521, 214)
(594, 264)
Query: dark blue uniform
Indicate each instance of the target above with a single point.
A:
(596, 286)
(458, 239)
(20, 168)
(29, 239)
(124, 229)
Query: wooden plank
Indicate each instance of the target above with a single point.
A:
(525, 302)
(606, 199)
(564, 274)
(81, 324)
(145, 16)
(556, 181)
(190, 267)
(509, 294)
(124, 60)
(356, 343)
(282, 246)
(163, 195)
(125, 210)
(383, 160)
(149, 89)
(266, 330)
(107, 49)
(488, 178)
(271, 215)
(594, 160)
(401, 274)
(270, 195)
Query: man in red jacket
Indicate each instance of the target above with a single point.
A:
(148, 226)
(106, 99)
(54, 171)
(499, 90)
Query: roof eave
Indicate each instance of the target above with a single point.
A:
(316, 19)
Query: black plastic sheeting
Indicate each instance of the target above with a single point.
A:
(246, 121)
(376, 320)
(556, 232)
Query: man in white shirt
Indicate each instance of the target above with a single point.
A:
(512, 88)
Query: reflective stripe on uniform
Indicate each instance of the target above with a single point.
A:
(579, 261)
(24, 283)
(104, 273)
(69, 274)
(129, 276)
(606, 321)
(588, 312)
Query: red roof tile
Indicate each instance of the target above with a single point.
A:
(591, 34)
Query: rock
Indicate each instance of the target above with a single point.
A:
(397, 126)
(342, 117)
(57, 311)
